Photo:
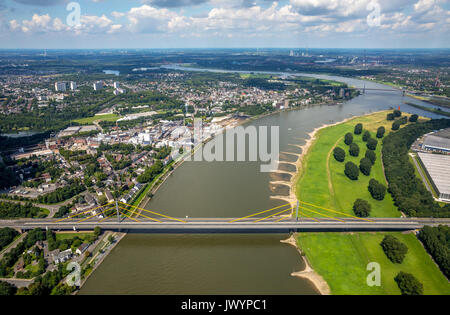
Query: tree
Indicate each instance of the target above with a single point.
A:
(365, 165)
(7, 288)
(394, 249)
(397, 113)
(351, 170)
(348, 138)
(377, 190)
(102, 200)
(413, 118)
(361, 208)
(380, 132)
(390, 116)
(371, 155)
(97, 231)
(354, 149)
(366, 136)
(408, 284)
(395, 125)
(372, 144)
(339, 154)
(358, 129)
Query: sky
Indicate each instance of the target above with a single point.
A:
(92, 24)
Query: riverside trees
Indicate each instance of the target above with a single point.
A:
(351, 170)
(339, 154)
(361, 208)
(394, 249)
(376, 189)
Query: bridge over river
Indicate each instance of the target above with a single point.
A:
(118, 216)
(226, 225)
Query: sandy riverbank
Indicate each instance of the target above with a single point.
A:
(308, 273)
(312, 136)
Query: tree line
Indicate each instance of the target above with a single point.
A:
(408, 191)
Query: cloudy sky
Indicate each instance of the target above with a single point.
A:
(224, 23)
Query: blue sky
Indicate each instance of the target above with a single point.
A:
(226, 23)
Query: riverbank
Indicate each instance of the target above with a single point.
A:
(341, 259)
(308, 273)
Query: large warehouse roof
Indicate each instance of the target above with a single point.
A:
(438, 167)
(437, 142)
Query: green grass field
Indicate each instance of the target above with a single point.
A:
(342, 258)
(322, 180)
(90, 120)
(65, 236)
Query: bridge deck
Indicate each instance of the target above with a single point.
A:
(223, 225)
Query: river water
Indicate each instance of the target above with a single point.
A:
(224, 263)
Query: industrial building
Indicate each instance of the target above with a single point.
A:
(437, 167)
(438, 141)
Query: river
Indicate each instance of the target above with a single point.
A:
(224, 263)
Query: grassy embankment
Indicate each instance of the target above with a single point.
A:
(323, 181)
(341, 258)
(90, 120)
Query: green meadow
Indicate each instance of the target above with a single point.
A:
(342, 258)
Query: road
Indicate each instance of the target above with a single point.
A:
(222, 225)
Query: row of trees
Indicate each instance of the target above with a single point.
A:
(7, 235)
(408, 191)
(436, 241)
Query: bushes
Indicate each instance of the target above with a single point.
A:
(371, 155)
(394, 249)
(397, 113)
(372, 144)
(390, 116)
(351, 170)
(354, 149)
(413, 118)
(408, 284)
(436, 241)
(377, 190)
(7, 289)
(361, 208)
(358, 129)
(348, 138)
(380, 132)
(395, 125)
(11, 210)
(151, 172)
(366, 136)
(408, 191)
(339, 154)
(365, 166)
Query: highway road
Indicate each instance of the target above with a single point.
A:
(223, 225)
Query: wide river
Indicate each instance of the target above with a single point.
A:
(228, 263)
